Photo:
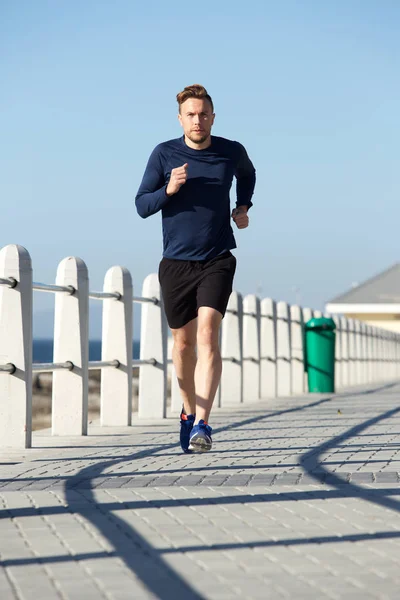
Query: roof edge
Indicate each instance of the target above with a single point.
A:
(365, 283)
(382, 309)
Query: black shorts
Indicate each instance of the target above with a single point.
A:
(186, 285)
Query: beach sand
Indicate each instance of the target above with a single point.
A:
(41, 398)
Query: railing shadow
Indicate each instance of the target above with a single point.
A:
(147, 562)
(136, 565)
(310, 461)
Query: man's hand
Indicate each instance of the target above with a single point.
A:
(177, 180)
(239, 215)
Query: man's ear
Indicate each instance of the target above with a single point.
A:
(180, 118)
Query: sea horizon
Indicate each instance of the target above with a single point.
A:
(43, 349)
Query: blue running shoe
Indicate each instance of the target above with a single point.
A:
(200, 438)
(186, 428)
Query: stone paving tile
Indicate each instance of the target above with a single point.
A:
(248, 479)
(294, 501)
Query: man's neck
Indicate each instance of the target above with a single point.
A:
(195, 146)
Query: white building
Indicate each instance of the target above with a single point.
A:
(376, 301)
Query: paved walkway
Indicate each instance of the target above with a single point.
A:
(299, 499)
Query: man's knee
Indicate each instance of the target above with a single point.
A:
(184, 345)
(208, 337)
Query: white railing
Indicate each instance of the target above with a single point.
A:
(261, 347)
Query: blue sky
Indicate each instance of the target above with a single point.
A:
(311, 88)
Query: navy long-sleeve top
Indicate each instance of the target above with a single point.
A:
(196, 220)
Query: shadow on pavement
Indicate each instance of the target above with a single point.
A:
(147, 563)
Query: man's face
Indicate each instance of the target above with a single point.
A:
(196, 118)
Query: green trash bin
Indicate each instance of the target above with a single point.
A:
(319, 347)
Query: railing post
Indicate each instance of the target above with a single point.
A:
(373, 344)
(284, 357)
(297, 349)
(251, 348)
(232, 352)
(338, 353)
(397, 356)
(379, 353)
(388, 374)
(365, 346)
(372, 363)
(379, 357)
(117, 339)
(344, 334)
(383, 353)
(71, 343)
(366, 352)
(153, 345)
(308, 314)
(268, 348)
(391, 354)
(352, 353)
(16, 348)
(359, 352)
(388, 356)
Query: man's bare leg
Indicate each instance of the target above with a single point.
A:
(184, 359)
(209, 364)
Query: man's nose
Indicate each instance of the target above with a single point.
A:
(196, 119)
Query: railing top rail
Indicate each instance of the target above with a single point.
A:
(69, 365)
(43, 367)
(10, 281)
(69, 289)
(8, 368)
(105, 295)
(100, 364)
(49, 287)
(94, 364)
(136, 362)
(140, 299)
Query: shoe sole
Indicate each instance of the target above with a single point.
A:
(199, 444)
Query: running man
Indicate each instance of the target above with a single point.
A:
(189, 179)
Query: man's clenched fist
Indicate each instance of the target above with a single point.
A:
(239, 215)
(177, 179)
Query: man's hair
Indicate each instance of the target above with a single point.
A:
(193, 91)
